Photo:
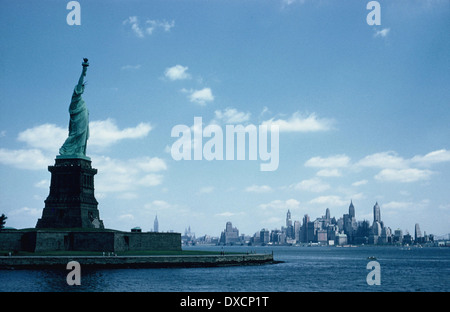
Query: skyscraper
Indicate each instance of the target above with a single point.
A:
(288, 218)
(230, 235)
(376, 213)
(351, 210)
(327, 215)
(297, 226)
(304, 229)
(289, 227)
(417, 233)
(155, 224)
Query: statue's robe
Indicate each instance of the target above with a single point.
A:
(75, 144)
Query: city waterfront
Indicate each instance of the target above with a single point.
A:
(304, 269)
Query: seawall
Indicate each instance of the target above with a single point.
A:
(42, 240)
(58, 262)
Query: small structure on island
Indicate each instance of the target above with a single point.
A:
(70, 219)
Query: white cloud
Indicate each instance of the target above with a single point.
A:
(281, 204)
(48, 137)
(231, 116)
(329, 200)
(32, 159)
(382, 33)
(229, 214)
(273, 221)
(336, 161)
(149, 26)
(403, 175)
(402, 207)
(118, 176)
(432, 158)
(105, 132)
(258, 189)
(34, 212)
(206, 190)
(150, 180)
(177, 72)
(361, 182)
(126, 217)
(127, 195)
(158, 205)
(286, 3)
(397, 169)
(312, 185)
(299, 123)
(383, 160)
(150, 164)
(131, 67)
(133, 21)
(200, 96)
(42, 184)
(399, 205)
(444, 207)
(329, 173)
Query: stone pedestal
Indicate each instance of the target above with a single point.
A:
(71, 202)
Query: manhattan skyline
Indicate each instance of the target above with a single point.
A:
(362, 109)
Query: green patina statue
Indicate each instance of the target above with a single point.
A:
(75, 144)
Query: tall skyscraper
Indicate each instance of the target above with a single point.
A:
(289, 228)
(417, 233)
(155, 224)
(230, 235)
(376, 213)
(327, 215)
(297, 226)
(304, 229)
(288, 219)
(351, 210)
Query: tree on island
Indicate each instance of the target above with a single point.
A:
(2, 221)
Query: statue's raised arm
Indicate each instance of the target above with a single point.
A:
(85, 65)
(75, 144)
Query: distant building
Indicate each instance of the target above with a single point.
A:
(189, 237)
(351, 210)
(398, 237)
(322, 237)
(278, 237)
(155, 224)
(376, 213)
(264, 236)
(407, 239)
(417, 234)
(327, 216)
(297, 226)
(207, 240)
(230, 235)
(256, 238)
(341, 239)
(289, 228)
(306, 235)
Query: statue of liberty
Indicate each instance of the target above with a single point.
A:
(75, 144)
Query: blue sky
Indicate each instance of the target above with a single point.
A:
(363, 109)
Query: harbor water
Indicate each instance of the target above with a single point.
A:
(303, 269)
